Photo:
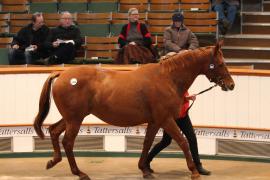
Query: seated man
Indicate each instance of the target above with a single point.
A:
(178, 37)
(63, 41)
(28, 45)
(225, 22)
(135, 42)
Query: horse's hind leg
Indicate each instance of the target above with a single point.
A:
(55, 131)
(72, 129)
(172, 129)
(151, 132)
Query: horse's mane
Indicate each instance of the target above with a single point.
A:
(182, 59)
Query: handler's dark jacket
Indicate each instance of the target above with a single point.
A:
(69, 33)
(141, 29)
(27, 36)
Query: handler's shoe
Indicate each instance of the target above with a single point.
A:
(203, 171)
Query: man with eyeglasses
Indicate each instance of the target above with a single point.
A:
(63, 41)
(135, 42)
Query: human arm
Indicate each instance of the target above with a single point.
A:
(168, 44)
(78, 39)
(50, 39)
(190, 97)
(193, 41)
(40, 38)
(147, 41)
(20, 41)
(122, 37)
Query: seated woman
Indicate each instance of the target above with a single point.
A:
(135, 42)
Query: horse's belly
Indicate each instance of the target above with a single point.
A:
(118, 119)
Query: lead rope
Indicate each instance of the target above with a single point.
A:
(201, 92)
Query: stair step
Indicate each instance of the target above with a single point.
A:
(250, 60)
(247, 41)
(256, 28)
(256, 17)
(251, 36)
(246, 53)
(255, 13)
(266, 6)
(256, 24)
(247, 48)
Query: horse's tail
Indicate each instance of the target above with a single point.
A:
(44, 104)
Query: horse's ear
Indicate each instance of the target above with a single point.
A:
(221, 42)
(218, 45)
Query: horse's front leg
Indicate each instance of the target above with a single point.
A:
(172, 129)
(151, 132)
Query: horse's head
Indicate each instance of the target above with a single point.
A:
(217, 71)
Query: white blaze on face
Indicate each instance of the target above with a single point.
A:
(73, 81)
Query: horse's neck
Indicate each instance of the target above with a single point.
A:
(186, 72)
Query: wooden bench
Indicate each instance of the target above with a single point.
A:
(200, 23)
(195, 5)
(19, 6)
(164, 5)
(17, 21)
(4, 23)
(101, 49)
(125, 5)
(5, 42)
(94, 24)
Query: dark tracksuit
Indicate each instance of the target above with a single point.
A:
(26, 37)
(65, 52)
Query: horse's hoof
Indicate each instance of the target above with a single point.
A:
(146, 168)
(148, 176)
(150, 170)
(195, 176)
(85, 177)
(50, 164)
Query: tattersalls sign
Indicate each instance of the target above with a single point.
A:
(220, 133)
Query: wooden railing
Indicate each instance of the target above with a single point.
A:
(22, 69)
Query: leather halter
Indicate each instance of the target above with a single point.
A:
(211, 69)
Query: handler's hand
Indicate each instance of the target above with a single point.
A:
(183, 50)
(34, 46)
(132, 43)
(55, 44)
(15, 46)
(191, 97)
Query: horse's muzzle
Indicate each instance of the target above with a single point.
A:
(231, 86)
(227, 87)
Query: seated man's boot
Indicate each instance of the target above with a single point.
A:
(50, 60)
(202, 171)
(226, 23)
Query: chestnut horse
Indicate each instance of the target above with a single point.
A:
(151, 94)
